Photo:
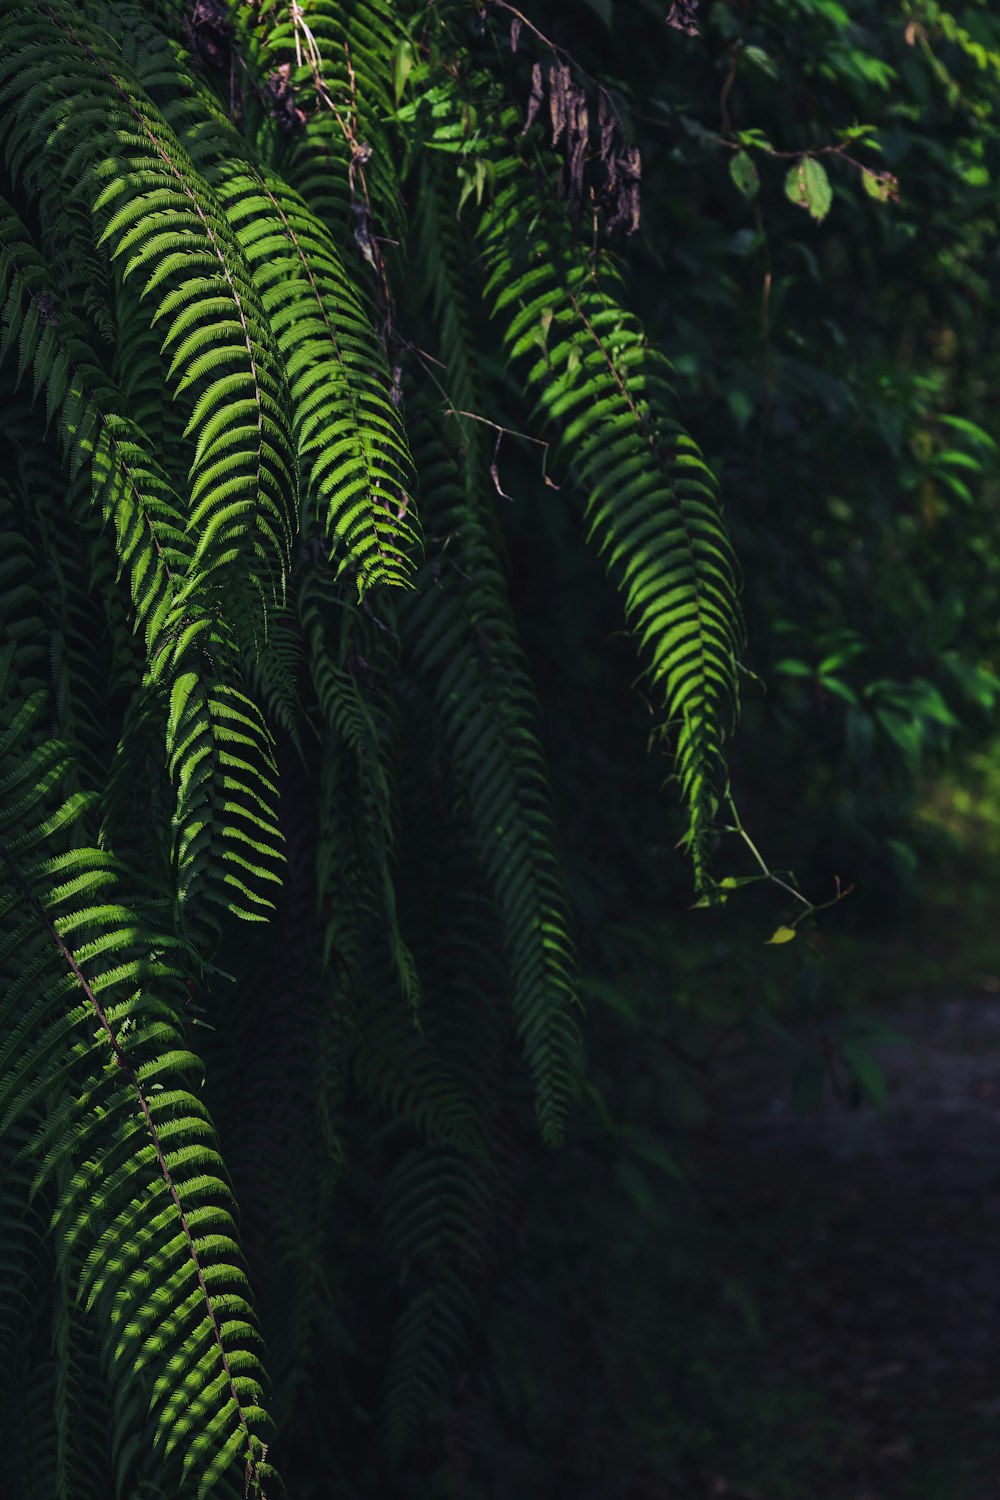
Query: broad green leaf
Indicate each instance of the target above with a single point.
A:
(781, 935)
(808, 186)
(762, 60)
(882, 186)
(744, 174)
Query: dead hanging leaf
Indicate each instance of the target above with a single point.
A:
(882, 186)
(281, 102)
(625, 209)
(560, 83)
(535, 99)
(683, 16)
(577, 140)
(606, 122)
(515, 33)
(363, 236)
(570, 119)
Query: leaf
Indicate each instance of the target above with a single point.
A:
(762, 60)
(744, 174)
(866, 1073)
(970, 429)
(808, 186)
(403, 63)
(882, 186)
(838, 689)
(793, 668)
(781, 935)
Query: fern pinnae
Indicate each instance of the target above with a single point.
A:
(652, 504)
(351, 440)
(243, 482)
(339, 62)
(241, 1401)
(350, 437)
(133, 493)
(460, 620)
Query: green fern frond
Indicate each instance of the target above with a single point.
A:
(359, 746)
(436, 1201)
(652, 503)
(222, 765)
(351, 443)
(93, 1061)
(334, 62)
(162, 222)
(461, 637)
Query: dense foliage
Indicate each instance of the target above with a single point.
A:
(336, 459)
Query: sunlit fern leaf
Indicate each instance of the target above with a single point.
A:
(96, 433)
(652, 503)
(162, 222)
(351, 442)
(215, 742)
(603, 391)
(94, 1061)
(222, 766)
(350, 439)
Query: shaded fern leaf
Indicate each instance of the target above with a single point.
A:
(436, 1201)
(461, 638)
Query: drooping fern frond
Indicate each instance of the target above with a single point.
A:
(94, 1066)
(161, 221)
(350, 438)
(461, 636)
(603, 393)
(652, 502)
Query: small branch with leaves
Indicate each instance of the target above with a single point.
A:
(786, 931)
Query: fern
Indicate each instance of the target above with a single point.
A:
(283, 913)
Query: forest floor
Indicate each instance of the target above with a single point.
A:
(862, 1249)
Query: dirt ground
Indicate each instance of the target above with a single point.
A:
(875, 1259)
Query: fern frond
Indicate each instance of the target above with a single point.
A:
(97, 436)
(351, 443)
(435, 1203)
(461, 637)
(359, 746)
(336, 63)
(92, 1052)
(652, 503)
(161, 221)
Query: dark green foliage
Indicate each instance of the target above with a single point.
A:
(356, 541)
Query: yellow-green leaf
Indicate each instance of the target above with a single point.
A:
(808, 186)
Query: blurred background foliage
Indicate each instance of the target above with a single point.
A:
(838, 362)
